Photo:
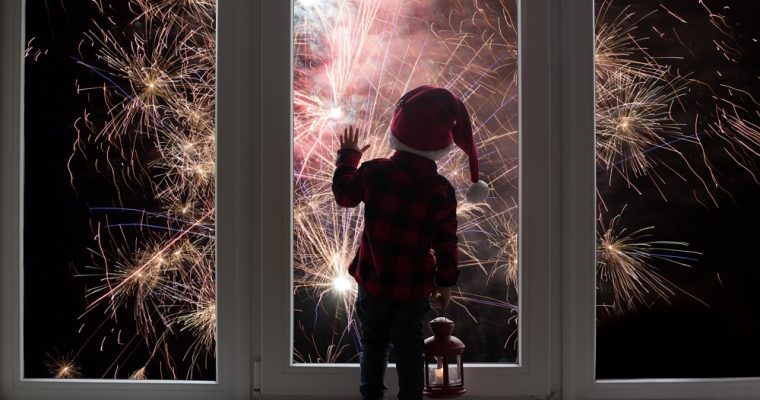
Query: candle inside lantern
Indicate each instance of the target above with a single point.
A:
(438, 379)
(437, 376)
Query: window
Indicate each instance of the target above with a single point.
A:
(652, 140)
(25, 305)
(119, 126)
(351, 65)
(291, 346)
(558, 341)
(681, 224)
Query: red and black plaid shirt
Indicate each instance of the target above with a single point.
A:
(409, 242)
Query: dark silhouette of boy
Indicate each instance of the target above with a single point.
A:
(408, 249)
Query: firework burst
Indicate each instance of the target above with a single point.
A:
(632, 118)
(626, 264)
(63, 367)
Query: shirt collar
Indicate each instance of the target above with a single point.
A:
(414, 161)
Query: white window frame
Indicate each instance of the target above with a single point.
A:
(579, 237)
(532, 377)
(558, 322)
(236, 187)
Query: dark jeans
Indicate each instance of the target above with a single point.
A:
(381, 323)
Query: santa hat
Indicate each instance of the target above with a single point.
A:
(426, 121)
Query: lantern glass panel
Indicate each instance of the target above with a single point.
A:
(435, 372)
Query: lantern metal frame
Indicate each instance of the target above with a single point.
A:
(440, 348)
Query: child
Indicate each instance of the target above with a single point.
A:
(408, 249)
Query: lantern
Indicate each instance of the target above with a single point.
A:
(444, 373)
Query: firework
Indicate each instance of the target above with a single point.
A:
(626, 264)
(739, 136)
(618, 47)
(642, 102)
(63, 367)
(139, 374)
(154, 134)
(636, 95)
(632, 118)
(504, 241)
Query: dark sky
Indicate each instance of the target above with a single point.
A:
(682, 339)
(55, 219)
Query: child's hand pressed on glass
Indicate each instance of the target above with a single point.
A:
(350, 140)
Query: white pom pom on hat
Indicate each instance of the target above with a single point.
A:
(477, 192)
(429, 118)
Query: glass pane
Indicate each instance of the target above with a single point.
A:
(354, 59)
(678, 151)
(119, 195)
(435, 372)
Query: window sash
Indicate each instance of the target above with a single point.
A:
(579, 236)
(234, 189)
(557, 104)
(531, 376)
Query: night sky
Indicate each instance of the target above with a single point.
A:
(683, 338)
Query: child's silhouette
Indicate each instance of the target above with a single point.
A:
(408, 250)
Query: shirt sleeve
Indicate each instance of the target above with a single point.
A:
(445, 243)
(348, 182)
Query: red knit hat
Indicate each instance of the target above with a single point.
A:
(428, 118)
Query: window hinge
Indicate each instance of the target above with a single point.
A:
(257, 377)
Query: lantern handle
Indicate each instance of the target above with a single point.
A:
(439, 311)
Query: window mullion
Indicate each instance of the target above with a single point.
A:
(576, 60)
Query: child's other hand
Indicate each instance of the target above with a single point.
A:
(443, 295)
(350, 140)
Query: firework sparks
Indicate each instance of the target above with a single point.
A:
(739, 135)
(626, 263)
(63, 367)
(155, 131)
(618, 49)
(633, 117)
(138, 374)
(636, 95)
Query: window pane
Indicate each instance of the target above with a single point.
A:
(354, 59)
(677, 141)
(119, 195)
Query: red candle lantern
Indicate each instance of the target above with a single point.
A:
(444, 373)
